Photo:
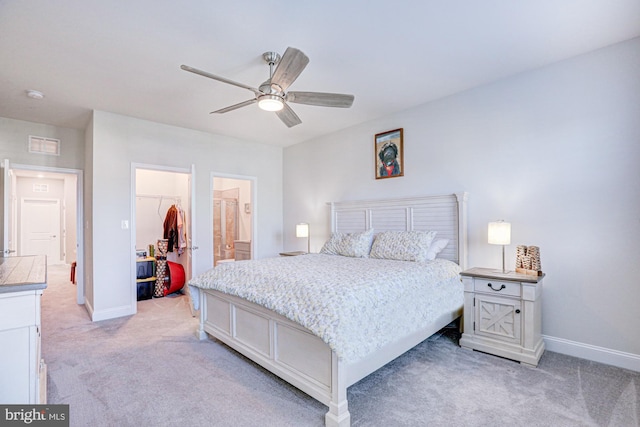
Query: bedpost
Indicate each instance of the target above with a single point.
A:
(200, 333)
(333, 216)
(338, 415)
(462, 229)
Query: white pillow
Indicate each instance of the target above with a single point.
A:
(402, 245)
(355, 245)
(436, 247)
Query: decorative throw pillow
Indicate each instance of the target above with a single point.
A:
(402, 245)
(355, 245)
(435, 248)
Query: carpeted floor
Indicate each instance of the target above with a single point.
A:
(150, 370)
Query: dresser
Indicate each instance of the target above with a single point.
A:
(243, 249)
(502, 314)
(23, 373)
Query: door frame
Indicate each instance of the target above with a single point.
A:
(191, 245)
(80, 262)
(254, 209)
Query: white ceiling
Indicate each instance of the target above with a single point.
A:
(125, 56)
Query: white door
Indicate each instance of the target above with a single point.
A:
(40, 228)
(191, 244)
(192, 247)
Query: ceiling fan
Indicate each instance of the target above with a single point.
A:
(271, 95)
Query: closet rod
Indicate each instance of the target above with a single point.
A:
(158, 196)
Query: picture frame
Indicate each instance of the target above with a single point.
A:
(389, 154)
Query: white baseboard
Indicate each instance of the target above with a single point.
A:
(89, 308)
(112, 313)
(594, 353)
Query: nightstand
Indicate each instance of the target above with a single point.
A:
(502, 314)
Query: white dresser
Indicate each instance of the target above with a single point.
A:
(23, 375)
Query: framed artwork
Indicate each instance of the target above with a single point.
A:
(389, 152)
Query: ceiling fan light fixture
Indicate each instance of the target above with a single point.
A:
(270, 103)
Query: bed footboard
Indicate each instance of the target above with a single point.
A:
(279, 345)
(293, 353)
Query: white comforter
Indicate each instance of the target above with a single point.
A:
(356, 305)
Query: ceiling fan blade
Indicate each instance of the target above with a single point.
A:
(220, 79)
(234, 107)
(289, 68)
(321, 99)
(288, 116)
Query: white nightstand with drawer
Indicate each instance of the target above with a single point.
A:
(502, 314)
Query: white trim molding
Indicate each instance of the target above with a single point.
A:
(593, 353)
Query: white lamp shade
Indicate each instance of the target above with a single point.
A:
(500, 233)
(302, 230)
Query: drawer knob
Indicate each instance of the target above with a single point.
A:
(494, 289)
(517, 311)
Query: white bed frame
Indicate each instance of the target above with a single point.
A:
(302, 359)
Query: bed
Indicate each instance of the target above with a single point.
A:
(317, 350)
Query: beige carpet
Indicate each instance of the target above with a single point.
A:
(150, 370)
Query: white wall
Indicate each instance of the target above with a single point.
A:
(14, 145)
(71, 217)
(554, 151)
(152, 211)
(117, 141)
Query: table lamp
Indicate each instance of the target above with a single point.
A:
(500, 234)
(302, 230)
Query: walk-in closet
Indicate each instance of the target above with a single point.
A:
(162, 227)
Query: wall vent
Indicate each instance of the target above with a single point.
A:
(42, 145)
(40, 188)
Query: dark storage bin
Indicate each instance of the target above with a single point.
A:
(145, 289)
(144, 269)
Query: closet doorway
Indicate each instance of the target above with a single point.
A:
(160, 193)
(233, 217)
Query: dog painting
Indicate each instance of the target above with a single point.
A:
(389, 154)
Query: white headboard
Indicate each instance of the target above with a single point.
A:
(445, 214)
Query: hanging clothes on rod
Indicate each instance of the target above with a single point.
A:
(171, 228)
(161, 199)
(182, 237)
(174, 230)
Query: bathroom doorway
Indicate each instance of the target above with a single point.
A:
(232, 219)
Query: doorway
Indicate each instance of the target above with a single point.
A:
(157, 192)
(43, 215)
(233, 218)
